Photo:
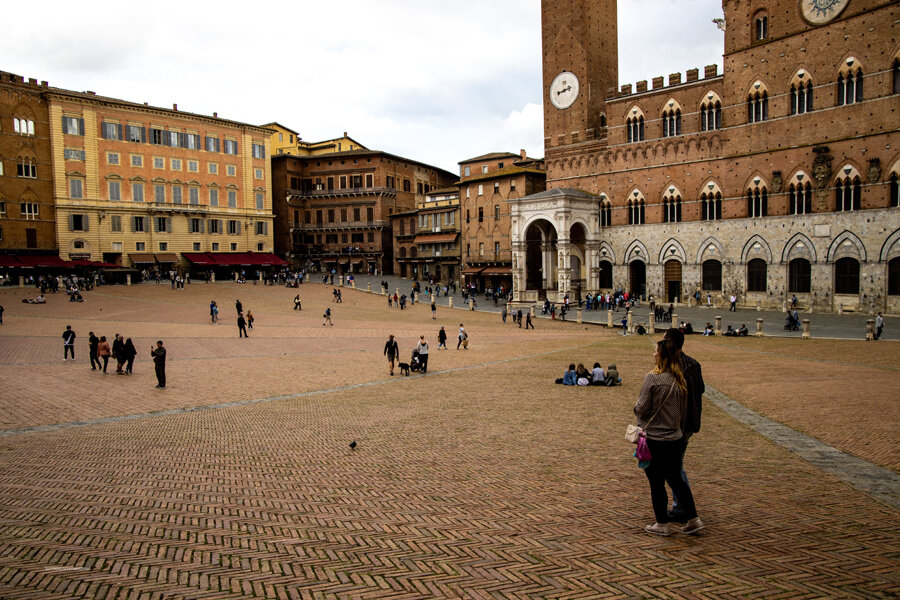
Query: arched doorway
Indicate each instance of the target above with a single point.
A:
(577, 281)
(637, 278)
(673, 280)
(540, 257)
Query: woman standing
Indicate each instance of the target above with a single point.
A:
(103, 351)
(129, 352)
(660, 411)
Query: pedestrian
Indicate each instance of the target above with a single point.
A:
(422, 349)
(93, 343)
(660, 410)
(250, 319)
(693, 377)
(733, 303)
(708, 300)
(503, 313)
(68, 337)
(327, 317)
(390, 301)
(118, 348)
(519, 317)
(103, 352)
(528, 322)
(239, 307)
(442, 338)
(159, 362)
(129, 352)
(879, 325)
(392, 351)
(433, 309)
(396, 300)
(297, 302)
(213, 312)
(1, 314)
(462, 336)
(242, 326)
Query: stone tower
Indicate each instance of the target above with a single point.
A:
(579, 38)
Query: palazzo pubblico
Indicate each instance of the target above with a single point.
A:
(776, 177)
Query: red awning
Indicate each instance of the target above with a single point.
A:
(9, 261)
(497, 271)
(199, 258)
(472, 270)
(267, 259)
(440, 238)
(43, 261)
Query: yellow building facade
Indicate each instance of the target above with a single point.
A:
(284, 140)
(139, 186)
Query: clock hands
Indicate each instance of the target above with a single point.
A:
(564, 90)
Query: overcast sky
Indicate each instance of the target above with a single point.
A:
(434, 81)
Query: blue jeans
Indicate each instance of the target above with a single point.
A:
(683, 476)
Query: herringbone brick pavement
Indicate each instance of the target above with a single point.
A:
(482, 479)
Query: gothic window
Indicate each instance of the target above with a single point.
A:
(846, 276)
(799, 276)
(634, 126)
(800, 198)
(671, 122)
(758, 107)
(605, 214)
(710, 206)
(847, 194)
(636, 212)
(801, 97)
(672, 208)
(894, 277)
(761, 28)
(757, 270)
(711, 113)
(850, 84)
(758, 201)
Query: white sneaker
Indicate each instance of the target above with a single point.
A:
(693, 526)
(658, 529)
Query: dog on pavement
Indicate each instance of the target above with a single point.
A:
(404, 369)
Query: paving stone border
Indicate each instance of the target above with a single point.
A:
(878, 482)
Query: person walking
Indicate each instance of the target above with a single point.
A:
(250, 319)
(879, 325)
(528, 322)
(327, 317)
(213, 312)
(242, 326)
(392, 351)
(117, 352)
(297, 302)
(433, 309)
(1, 314)
(519, 318)
(239, 307)
(93, 344)
(660, 410)
(461, 336)
(129, 352)
(733, 303)
(103, 352)
(503, 313)
(442, 338)
(422, 349)
(68, 337)
(159, 362)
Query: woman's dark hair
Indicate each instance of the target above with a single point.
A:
(596, 365)
(572, 366)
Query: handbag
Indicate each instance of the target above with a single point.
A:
(634, 432)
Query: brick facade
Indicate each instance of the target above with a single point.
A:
(768, 157)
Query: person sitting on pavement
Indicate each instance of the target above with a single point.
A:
(742, 330)
(709, 329)
(730, 332)
(598, 377)
(568, 377)
(582, 375)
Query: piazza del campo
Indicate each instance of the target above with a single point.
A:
(296, 462)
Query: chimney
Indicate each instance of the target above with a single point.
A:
(174, 107)
(45, 84)
(215, 115)
(32, 81)
(345, 134)
(522, 154)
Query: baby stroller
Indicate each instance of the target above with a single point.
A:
(791, 324)
(415, 364)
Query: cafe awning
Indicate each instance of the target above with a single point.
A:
(497, 271)
(166, 257)
(199, 258)
(142, 257)
(440, 238)
(472, 270)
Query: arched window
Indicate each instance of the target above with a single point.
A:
(761, 28)
(895, 69)
(413, 252)
(800, 196)
(801, 94)
(635, 128)
(672, 208)
(671, 120)
(758, 106)
(894, 191)
(799, 276)
(850, 84)
(757, 200)
(846, 276)
(757, 271)
(848, 193)
(711, 206)
(711, 113)
(26, 167)
(894, 277)
(402, 227)
(605, 214)
(636, 211)
(402, 252)
(602, 120)
(712, 275)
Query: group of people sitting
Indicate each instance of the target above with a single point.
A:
(39, 300)
(579, 375)
(742, 331)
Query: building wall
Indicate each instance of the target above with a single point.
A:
(240, 173)
(823, 147)
(25, 233)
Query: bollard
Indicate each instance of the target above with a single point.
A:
(651, 324)
(128, 279)
(471, 303)
(578, 316)
(674, 320)
(259, 275)
(718, 325)
(398, 292)
(870, 330)
(805, 334)
(759, 328)
(369, 287)
(609, 319)
(21, 281)
(630, 318)
(450, 301)
(212, 277)
(235, 276)
(676, 302)
(531, 310)
(840, 309)
(353, 284)
(758, 306)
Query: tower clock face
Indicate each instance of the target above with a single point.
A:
(564, 90)
(819, 12)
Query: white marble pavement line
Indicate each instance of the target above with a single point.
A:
(878, 482)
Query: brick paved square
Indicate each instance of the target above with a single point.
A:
(480, 479)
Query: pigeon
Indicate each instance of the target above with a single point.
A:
(353, 445)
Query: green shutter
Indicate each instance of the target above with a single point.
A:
(80, 126)
(86, 222)
(71, 222)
